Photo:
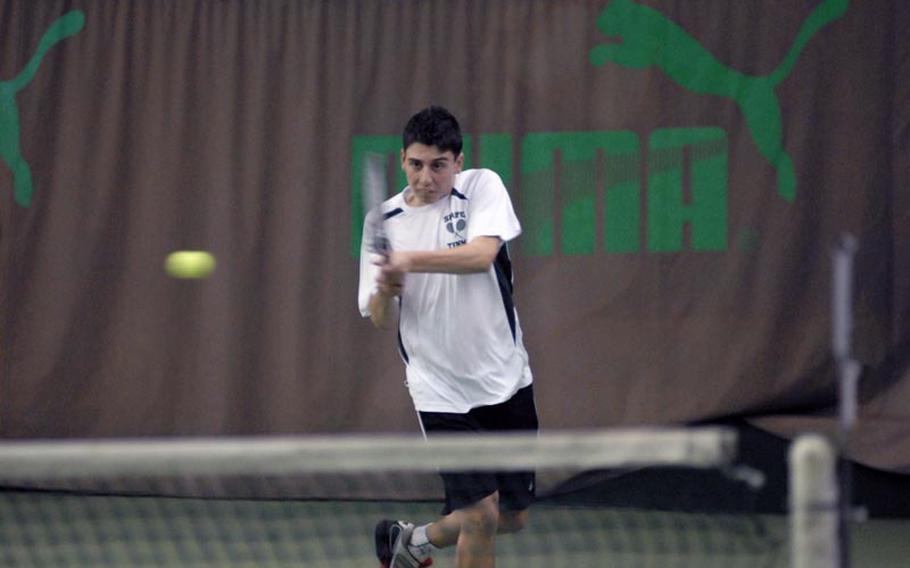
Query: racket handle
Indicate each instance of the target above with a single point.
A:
(381, 245)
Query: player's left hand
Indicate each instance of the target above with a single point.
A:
(392, 272)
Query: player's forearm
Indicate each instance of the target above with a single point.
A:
(476, 256)
(380, 307)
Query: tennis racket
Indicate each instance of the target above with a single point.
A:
(374, 192)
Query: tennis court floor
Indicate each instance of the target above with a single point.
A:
(46, 529)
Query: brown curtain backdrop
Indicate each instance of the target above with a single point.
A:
(230, 126)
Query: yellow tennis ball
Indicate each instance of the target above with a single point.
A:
(189, 264)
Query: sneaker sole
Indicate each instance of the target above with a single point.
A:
(383, 546)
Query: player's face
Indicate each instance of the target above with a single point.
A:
(430, 172)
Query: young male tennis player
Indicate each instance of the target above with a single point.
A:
(450, 276)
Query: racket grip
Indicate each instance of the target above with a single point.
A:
(381, 245)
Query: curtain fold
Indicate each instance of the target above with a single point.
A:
(679, 186)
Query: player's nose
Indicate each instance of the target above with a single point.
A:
(425, 178)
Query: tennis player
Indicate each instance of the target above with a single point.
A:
(449, 278)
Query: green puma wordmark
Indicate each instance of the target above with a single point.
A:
(65, 26)
(649, 38)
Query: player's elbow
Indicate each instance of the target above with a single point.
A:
(485, 251)
(482, 264)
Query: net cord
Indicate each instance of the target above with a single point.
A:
(288, 455)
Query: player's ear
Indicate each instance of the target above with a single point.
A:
(459, 162)
(402, 159)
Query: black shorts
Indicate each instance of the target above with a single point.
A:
(516, 489)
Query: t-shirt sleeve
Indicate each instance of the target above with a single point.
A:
(368, 274)
(490, 212)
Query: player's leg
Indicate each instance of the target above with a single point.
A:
(471, 501)
(472, 530)
(478, 505)
(511, 521)
(471, 518)
(517, 490)
(444, 532)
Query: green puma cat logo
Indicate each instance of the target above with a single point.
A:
(649, 38)
(65, 26)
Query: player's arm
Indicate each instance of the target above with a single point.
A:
(475, 256)
(388, 287)
(380, 306)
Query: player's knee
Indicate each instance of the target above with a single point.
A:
(481, 517)
(512, 521)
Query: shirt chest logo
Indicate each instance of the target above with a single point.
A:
(456, 224)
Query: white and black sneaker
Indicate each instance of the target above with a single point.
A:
(392, 546)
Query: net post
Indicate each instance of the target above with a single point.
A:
(842, 331)
(848, 374)
(814, 503)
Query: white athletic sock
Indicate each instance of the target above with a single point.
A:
(420, 545)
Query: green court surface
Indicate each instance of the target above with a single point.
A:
(49, 529)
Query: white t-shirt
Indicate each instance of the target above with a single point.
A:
(459, 333)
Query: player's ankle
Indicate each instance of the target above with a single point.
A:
(419, 544)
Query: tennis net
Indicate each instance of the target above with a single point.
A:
(313, 501)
